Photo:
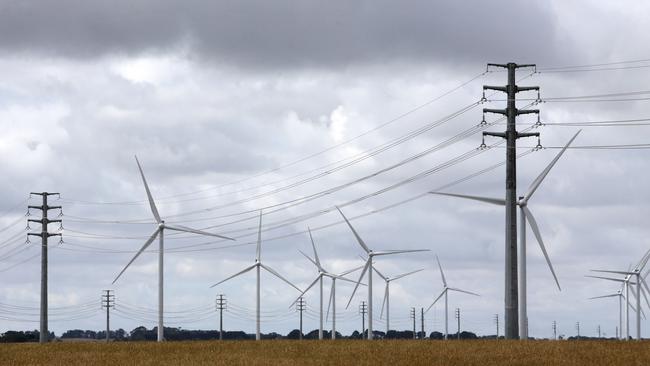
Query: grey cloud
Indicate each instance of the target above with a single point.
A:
(283, 34)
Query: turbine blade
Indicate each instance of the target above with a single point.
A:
(535, 184)
(363, 272)
(383, 303)
(615, 272)
(146, 244)
(604, 296)
(606, 278)
(644, 261)
(356, 235)
(533, 225)
(436, 300)
(329, 303)
(152, 204)
(391, 252)
(406, 274)
(643, 292)
(303, 292)
(494, 201)
(311, 260)
(276, 274)
(349, 280)
(194, 231)
(258, 251)
(463, 291)
(314, 246)
(380, 274)
(235, 275)
(442, 274)
(350, 271)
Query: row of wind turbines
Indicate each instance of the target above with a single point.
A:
(526, 217)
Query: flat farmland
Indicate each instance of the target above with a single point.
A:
(343, 352)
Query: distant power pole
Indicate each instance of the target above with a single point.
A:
(617, 337)
(578, 329)
(496, 321)
(554, 330)
(108, 302)
(221, 303)
(458, 319)
(422, 321)
(413, 317)
(513, 319)
(301, 305)
(44, 234)
(598, 331)
(363, 309)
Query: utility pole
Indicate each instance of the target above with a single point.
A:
(514, 314)
(422, 322)
(617, 337)
(44, 234)
(108, 302)
(554, 330)
(458, 319)
(413, 317)
(598, 331)
(578, 329)
(221, 306)
(301, 305)
(363, 309)
(496, 321)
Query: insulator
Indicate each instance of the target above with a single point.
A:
(483, 123)
(483, 99)
(539, 144)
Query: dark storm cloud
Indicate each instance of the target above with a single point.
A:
(286, 33)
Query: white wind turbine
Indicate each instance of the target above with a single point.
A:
(332, 301)
(258, 265)
(160, 234)
(641, 288)
(321, 273)
(368, 268)
(444, 292)
(386, 302)
(619, 295)
(524, 214)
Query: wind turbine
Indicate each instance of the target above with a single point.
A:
(368, 268)
(321, 273)
(444, 292)
(524, 214)
(619, 295)
(258, 265)
(159, 232)
(640, 284)
(386, 302)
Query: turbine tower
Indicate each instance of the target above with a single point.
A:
(444, 292)
(258, 265)
(332, 301)
(321, 273)
(525, 215)
(368, 268)
(386, 303)
(159, 232)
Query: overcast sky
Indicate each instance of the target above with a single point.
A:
(234, 106)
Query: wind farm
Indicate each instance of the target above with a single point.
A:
(324, 183)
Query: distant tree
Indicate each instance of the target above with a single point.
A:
(294, 334)
(436, 335)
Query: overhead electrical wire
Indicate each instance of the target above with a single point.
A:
(305, 158)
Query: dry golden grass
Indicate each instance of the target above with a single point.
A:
(484, 353)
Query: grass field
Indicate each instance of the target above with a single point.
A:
(343, 352)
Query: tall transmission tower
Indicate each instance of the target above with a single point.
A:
(554, 330)
(514, 314)
(108, 302)
(496, 321)
(458, 320)
(413, 317)
(363, 310)
(422, 323)
(578, 329)
(598, 331)
(44, 234)
(221, 303)
(301, 305)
